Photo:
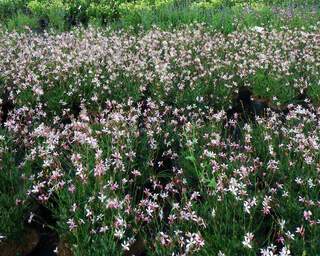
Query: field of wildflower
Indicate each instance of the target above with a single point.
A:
(181, 141)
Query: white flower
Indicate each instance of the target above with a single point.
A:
(282, 222)
(249, 204)
(125, 246)
(285, 252)
(119, 233)
(269, 251)
(30, 217)
(213, 213)
(2, 237)
(247, 240)
(258, 29)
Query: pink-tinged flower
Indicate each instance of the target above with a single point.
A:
(307, 215)
(164, 239)
(113, 186)
(113, 204)
(84, 115)
(281, 239)
(172, 218)
(195, 195)
(194, 242)
(136, 173)
(38, 91)
(72, 188)
(72, 225)
(266, 205)
(19, 202)
(100, 169)
(300, 231)
(199, 241)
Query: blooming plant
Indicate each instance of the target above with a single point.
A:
(140, 144)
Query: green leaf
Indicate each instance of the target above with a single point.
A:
(212, 183)
(191, 158)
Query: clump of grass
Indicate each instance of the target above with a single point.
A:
(14, 204)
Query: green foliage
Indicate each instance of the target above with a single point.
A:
(21, 21)
(54, 11)
(13, 204)
(314, 92)
(9, 8)
(224, 15)
(267, 86)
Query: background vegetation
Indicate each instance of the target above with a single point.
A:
(226, 15)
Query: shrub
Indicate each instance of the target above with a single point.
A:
(21, 22)
(54, 12)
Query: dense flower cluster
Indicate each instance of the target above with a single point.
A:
(174, 67)
(130, 140)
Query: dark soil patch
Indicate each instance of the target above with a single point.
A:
(48, 238)
(30, 240)
(138, 248)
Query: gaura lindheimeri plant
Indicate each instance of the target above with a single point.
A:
(133, 142)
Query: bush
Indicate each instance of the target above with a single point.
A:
(9, 8)
(53, 13)
(22, 21)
